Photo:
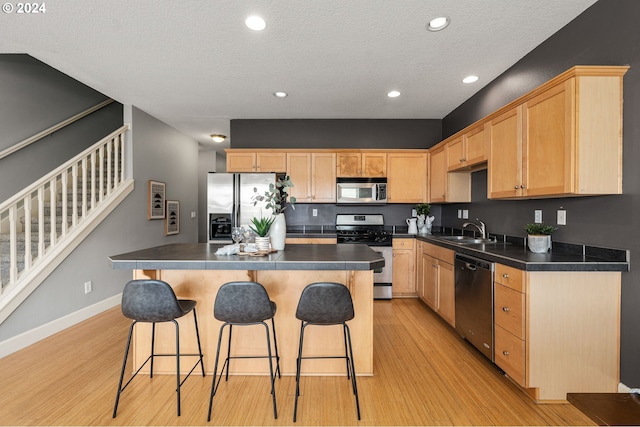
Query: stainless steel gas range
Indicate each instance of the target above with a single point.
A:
(369, 229)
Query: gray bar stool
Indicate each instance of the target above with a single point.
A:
(324, 304)
(153, 301)
(244, 304)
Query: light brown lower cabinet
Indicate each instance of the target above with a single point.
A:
(558, 332)
(404, 255)
(436, 282)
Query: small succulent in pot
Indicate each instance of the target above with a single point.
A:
(539, 229)
(261, 225)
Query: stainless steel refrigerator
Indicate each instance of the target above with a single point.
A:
(230, 201)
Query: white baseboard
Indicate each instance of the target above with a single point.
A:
(32, 336)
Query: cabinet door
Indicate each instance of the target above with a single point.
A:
(476, 146)
(323, 177)
(509, 306)
(438, 176)
(505, 155)
(374, 164)
(403, 269)
(548, 127)
(271, 162)
(446, 292)
(430, 281)
(299, 170)
(407, 178)
(510, 354)
(455, 154)
(241, 162)
(349, 164)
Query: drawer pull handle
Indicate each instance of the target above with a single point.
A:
(505, 275)
(505, 309)
(506, 353)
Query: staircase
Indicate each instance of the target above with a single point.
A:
(43, 223)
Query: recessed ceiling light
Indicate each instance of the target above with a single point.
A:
(393, 94)
(439, 23)
(218, 138)
(256, 23)
(280, 94)
(470, 79)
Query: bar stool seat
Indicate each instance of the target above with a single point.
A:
(325, 304)
(244, 304)
(154, 301)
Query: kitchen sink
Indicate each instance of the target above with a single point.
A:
(465, 240)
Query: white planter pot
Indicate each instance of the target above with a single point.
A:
(278, 232)
(263, 243)
(539, 243)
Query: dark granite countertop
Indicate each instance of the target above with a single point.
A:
(201, 256)
(563, 257)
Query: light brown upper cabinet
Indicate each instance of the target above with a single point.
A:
(248, 161)
(373, 164)
(313, 176)
(407, 177)
(468, 150)
(565, 139)
(447, 187)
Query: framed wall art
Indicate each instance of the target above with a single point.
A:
(156, 202)
(172, 221)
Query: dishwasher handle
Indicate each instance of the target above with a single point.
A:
(473, 263)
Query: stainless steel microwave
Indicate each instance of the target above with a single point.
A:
(361, 190)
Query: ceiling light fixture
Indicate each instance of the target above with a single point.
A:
(218, 138)
(256, 23)
(280, 94)
(439, 23)
(393, 94)
(470, 79)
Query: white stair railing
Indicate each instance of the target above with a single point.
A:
(37, 221)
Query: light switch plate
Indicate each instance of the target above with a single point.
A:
(315, 212)
(459, 213)
(562, 217)
(465, 214)
(538, 216)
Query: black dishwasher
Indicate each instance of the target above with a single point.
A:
(474, 302)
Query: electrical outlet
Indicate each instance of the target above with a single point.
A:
(538, 216)
(459, 213)
(314, 212)
(87, 287)
(465, 214)
(414, 213)
(562, 217)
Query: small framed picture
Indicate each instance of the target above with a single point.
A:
(172, 221)
(156, 205)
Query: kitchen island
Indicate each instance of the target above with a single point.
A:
(196, 272)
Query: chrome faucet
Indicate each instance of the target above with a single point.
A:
(482, 228)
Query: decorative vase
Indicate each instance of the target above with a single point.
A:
(263, 243)
(539, 244)
(278, 232)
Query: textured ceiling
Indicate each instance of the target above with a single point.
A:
(194, 65)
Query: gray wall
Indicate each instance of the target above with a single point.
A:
(601, 221)
(34, 97)
(160, 153)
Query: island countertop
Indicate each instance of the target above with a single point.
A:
(202, 256)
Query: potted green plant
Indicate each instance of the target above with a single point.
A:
(423, 209)
(539, 237)
(276, 200)
(261, 227)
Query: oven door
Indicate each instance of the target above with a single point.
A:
(382, 277)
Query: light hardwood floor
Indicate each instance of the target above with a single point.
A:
(424, 375)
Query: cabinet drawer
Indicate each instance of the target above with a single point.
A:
(510, 277)
(439, 252)
(403, 243)
(510, 355)
(509, 306)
